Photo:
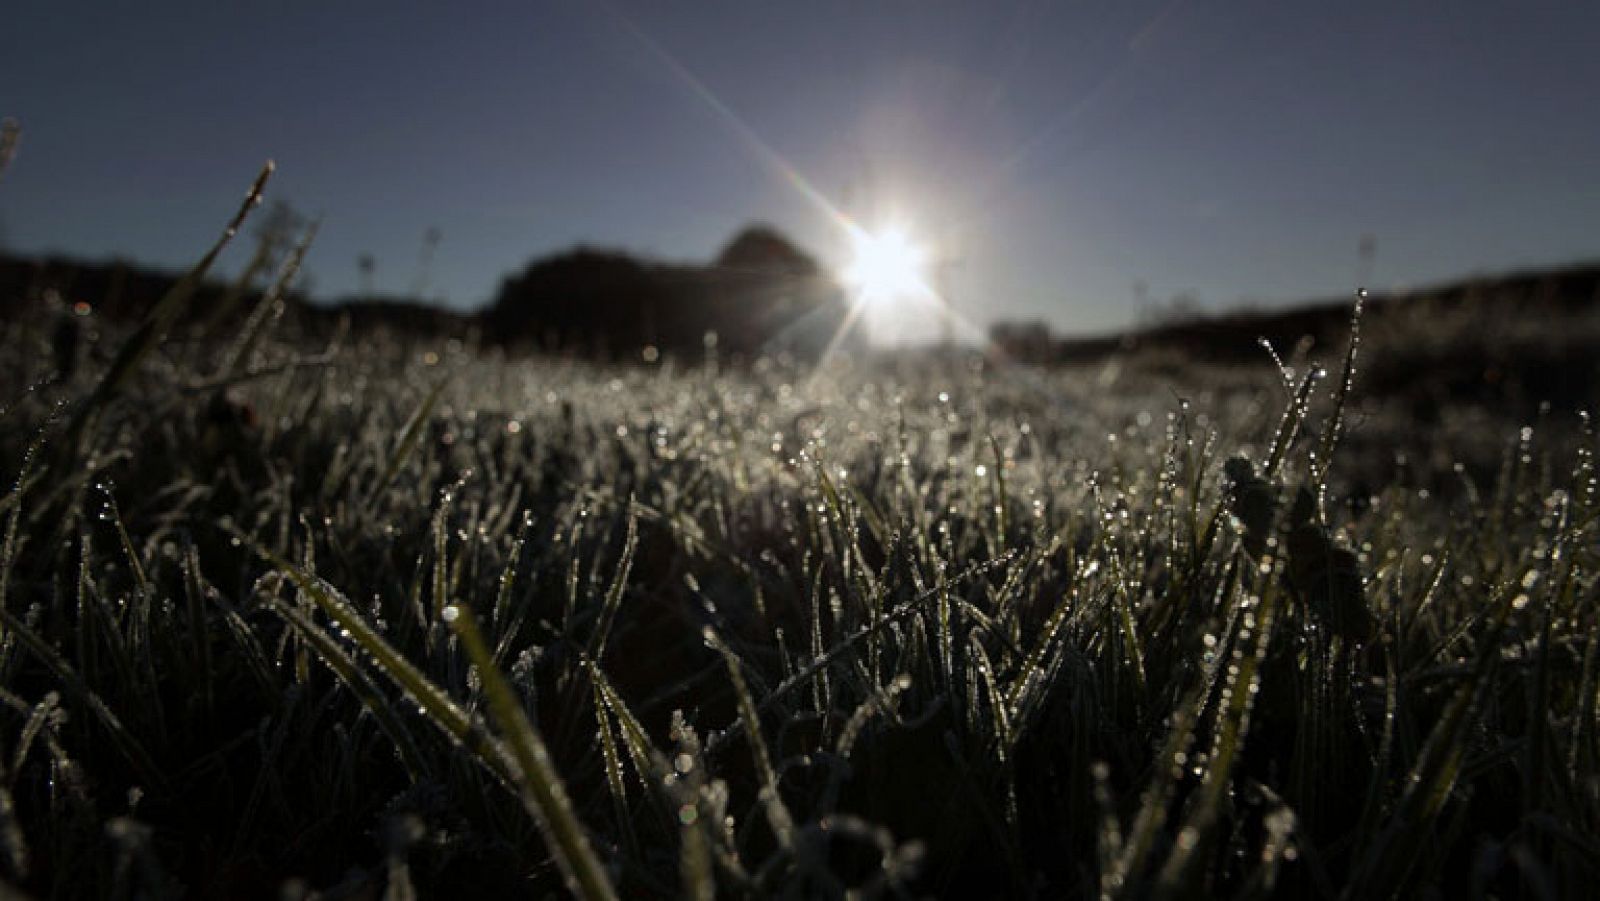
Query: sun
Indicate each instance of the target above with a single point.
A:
(886, 265)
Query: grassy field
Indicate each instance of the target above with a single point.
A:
(374, 618)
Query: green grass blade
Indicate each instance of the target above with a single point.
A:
(409, 436)
(1332, 432)
(619, 582)
(647, 759)
(543, 791)
(1382, 870)
(430, 699)
(359, 683)
(807, 673)
(778, 815)
(129, 746)
(1198, 835)
(1289, 426)
(160, 318)
(266, 309)
(612, 760)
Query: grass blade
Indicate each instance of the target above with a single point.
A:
(430, 699)
(161, 317)
(409, 436)
(543, 792)
(357, 680)
(129, 746)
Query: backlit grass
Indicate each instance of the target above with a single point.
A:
(367, 616)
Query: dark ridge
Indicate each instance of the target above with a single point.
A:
(1234, 336)
(1514, 342)
(762, 293)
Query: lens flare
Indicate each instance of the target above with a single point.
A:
(886, 265)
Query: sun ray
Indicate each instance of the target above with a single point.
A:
(753, 142)
(899, 263)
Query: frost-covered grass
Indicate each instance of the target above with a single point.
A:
(897, 628)
(373, 616)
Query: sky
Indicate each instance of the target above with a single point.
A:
(1073, 162)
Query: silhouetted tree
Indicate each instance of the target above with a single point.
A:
(760, 248)
(583, 300)
(761, 292)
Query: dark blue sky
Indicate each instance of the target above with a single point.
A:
(1062, 151)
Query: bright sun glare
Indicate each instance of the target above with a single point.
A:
(887, 265)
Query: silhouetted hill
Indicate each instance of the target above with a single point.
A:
(1234, 336)
(1518, 339)
(761, 293)
(763, 248)
(118, 289)
(123, 291)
